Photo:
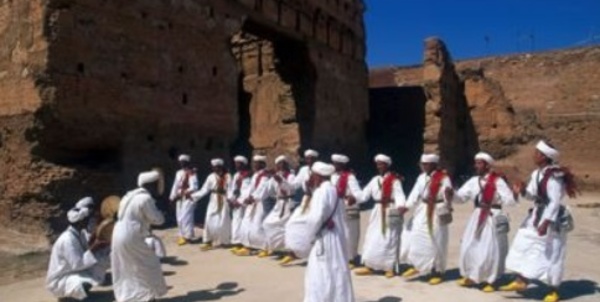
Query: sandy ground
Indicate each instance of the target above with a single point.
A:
(218, 275)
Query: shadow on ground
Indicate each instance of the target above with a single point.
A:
(389, 299)
(174, 261)
(568, 290)
(225, 289)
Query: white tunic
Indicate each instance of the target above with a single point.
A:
(382, 242)
(254, 233)
(427, 251)
(274, 224)
(301, 178)
(70, 266)
(137, 274)
(482, 259)
(237, 213)
(327, 277)
(540, 257)
(352, 212)
(217, 225)
(185, 207)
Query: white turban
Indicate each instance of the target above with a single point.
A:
(340, 158)
(382, 158)
(261, 158)
(485, 157)
(430, 158)
(77, 214)
(311, 153)
(86, 202)
(148, 177)
(184, 157)
(548, 151)
(281, 158)
(215, 162)
(241, 159)
(323, 169)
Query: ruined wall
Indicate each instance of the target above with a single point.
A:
(515, 100)
(94, 91)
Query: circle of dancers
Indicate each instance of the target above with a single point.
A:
(314, 216)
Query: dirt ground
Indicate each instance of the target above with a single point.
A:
(217, 275)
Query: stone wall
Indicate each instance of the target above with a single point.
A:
(515, 100)
(94, 91)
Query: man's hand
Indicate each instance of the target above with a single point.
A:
(277, 178)
(449, 193)
(351, 200)
(543, 228)
(402, 210)
(249, 200)
(518, 188)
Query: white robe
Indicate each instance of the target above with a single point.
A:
(157, 246)
(327, 277)
(185, 207)
(274, 224)
(217, 225)
(352, 222)
(482, 259)
(70, 266)
(301, 178)
(381, 245)
(137, 274)
(237, 213)
(427, 251)
(540, 257)
(254, 233)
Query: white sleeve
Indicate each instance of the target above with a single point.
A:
(175, 186)
(354, 188)
(413, 197)
(507, 198)
(554, 192)
(192, 183)
(76, 257)
(468, 191)
(151, 212)
(208, 185)
(398, 193)
(367, 192)
(531, 190)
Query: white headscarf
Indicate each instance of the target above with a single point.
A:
(340, 158)
(311, 153)
(430, 158)
(184, 157)
(548, 151)
(485, 157)
(86, 202)
(281, 158)
(260, 158)
(241, 159)
(77, 214)
(216, 162)
(323, 169)
(382, 158)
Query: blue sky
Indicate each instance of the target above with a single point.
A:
(396, 28)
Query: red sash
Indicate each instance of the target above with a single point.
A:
(434, 188)
(342, 184)
(241, 176)
(542, 191)
(220, 191)
(260, 176)
(487, 197)
(185, 182)
(386, 198)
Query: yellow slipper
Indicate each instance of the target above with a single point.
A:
(410, 272)
(264, 254)
(435, 280)
(206, 247)
(363, 271)
(465, 282)
(514, 286)
(389, 274)
(351, 266)
(243, 252)
(552, 297)
(181, 241)
(488, 288)
(235, 249)
(286, 260)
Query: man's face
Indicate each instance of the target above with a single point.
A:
(239, 166)
(428, 167)
(310, 160)
(339, 166)
(184, 164)
(382, 167)
(539, 158)
(280, 166)
(257, 165)
(218, 169)
(481, 167)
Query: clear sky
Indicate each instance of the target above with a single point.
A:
(396, 28)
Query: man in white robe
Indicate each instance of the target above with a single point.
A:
(327, 277)
(254, 238)
(302, 178)
(238, 191)
(103, 255)
(217, 225)
(539, 248)
(185, 183)
(137, 273)
(70, 271)
(280, 187)
(382, 239)
(484, 244)
(348, 191)
(428, 239)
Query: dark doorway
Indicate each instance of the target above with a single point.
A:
(395, 128)
(242, 143)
